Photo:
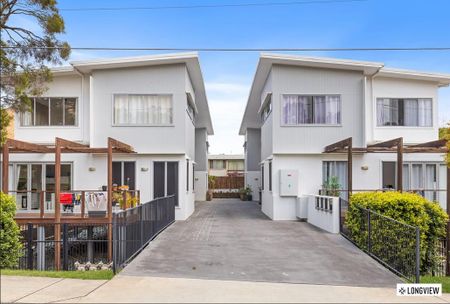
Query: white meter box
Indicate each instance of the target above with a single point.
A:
(288, 182)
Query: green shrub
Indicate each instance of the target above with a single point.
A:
(10, 245)
(408, 208)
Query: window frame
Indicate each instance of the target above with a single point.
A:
(398, 99)
(339, 124)
(267, 110)
(262, 176)
(122, 171)
(270, 175)
(49, 125)
(114, 124)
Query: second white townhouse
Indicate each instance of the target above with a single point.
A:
(157, 104)
(299, 107)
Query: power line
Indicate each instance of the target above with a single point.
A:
(356, 49)
(251, 4)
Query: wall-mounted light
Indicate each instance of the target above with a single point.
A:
(365, 167)
(92, 169)
(144, 169)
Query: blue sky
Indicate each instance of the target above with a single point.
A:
(371, 23)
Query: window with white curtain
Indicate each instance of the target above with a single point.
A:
(308, 109)
(134, 109)
(411, 112)
(50, 111)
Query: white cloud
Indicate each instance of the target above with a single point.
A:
(227, 103)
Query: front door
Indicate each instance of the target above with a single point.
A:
(165, 179)
(28, 186)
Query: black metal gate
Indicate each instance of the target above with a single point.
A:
(394, 244)
(134, 228)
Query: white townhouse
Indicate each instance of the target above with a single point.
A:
(298, 106)
(157, 104)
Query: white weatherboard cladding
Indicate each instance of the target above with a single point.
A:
(252, 179)
(309, 168)
(404, 88)
(267, 137)
(201, 151)
(167, 79)
(84, 179)
(61, 86)
(201, 185)
(252, 149)
(316, 81)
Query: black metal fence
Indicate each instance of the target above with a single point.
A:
(78, 243)
(134, 228)
(88, 242)
(394, 244)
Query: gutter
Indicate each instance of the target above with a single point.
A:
(82, 101)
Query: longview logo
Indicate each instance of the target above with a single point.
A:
(411, 290)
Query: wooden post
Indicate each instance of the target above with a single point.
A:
(400, 164)
(350, 167)
(83, 203)
(110, 238)
(41, 204)
(5, 167)
(57, 205)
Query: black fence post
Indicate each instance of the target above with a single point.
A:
(65, 248)
(30, 246)
(141, 210)
(115, 244)
(417, 255)
(369, 232)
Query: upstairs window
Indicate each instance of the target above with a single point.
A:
(190, 108)
(411, 112)
(308, 109)
(50, 111)
(217, 164)
(133, 109)
(266, 110)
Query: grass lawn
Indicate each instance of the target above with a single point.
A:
(444, 280)
(83, 275)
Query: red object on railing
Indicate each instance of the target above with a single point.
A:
(66, 198)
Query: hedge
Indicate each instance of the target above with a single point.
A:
(10, 245)
(408, 208)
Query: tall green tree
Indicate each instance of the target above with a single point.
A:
(29, 43)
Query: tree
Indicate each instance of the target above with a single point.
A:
(444, 133)
(26, 53)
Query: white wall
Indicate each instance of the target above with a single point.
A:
(201, 185)
(252, 178)
(311, 81)
(167, 79)
(61, 86)
(83, 179)
(310, 177)
(403, 88)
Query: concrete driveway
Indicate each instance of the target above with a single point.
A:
(234, 240)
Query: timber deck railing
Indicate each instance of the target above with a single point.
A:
(42, 203)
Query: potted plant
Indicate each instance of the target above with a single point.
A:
(248, 193)
(331, 186)
(242, 194)
(211, 186)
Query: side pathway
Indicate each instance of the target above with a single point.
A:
(131, 289)
(16, 289)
